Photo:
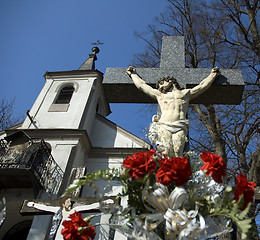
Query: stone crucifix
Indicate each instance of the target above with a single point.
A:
(200, 86)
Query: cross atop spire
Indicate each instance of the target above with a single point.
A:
(97, 43)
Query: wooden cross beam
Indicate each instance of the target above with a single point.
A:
(226, 89)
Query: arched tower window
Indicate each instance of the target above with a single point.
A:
(65, 95)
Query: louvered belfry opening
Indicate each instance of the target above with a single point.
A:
(65, 95)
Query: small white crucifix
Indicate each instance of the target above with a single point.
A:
(61, 209)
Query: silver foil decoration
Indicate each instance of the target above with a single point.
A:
(2, 210)
(56, 221)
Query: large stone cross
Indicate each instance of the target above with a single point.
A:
(226, 89)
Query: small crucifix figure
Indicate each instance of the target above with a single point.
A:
(63, 210)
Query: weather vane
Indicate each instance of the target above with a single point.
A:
(96, 49)
(97, 43)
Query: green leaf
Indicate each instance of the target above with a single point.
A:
(232, 211)
(243, 214)
(244, 225)
(90, 178)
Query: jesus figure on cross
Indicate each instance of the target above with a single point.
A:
(66, 208)
(172, 125)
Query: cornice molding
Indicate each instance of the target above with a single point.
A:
(64, 134)
(113, 152)
(73, 73)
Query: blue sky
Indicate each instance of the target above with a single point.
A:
(56, 35)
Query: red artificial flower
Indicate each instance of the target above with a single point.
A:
(214, 165)
(175, 169)
(139, 164)
(245, 188)
(71, 232)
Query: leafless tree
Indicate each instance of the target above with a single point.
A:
(223, 33)
(7, 116)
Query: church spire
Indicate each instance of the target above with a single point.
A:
(89, 64)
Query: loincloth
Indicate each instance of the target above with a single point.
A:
(174, 127)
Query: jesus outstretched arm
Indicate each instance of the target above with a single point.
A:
(204, 84)
(140, 83)
(43, 207)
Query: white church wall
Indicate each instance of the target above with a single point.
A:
(61, 150)
(94, 105)
(35, 108)
(122, 140)
(61, 154)
(108, 188)
(107, 134)
(102, 135)
(94, 164)
(80, 156)
(58, 119)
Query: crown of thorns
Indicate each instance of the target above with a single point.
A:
(168, 78)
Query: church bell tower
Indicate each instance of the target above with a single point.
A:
(69, 99)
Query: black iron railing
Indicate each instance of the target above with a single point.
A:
(3, 147)
(36, 158)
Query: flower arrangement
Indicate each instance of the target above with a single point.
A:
(169, 200)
